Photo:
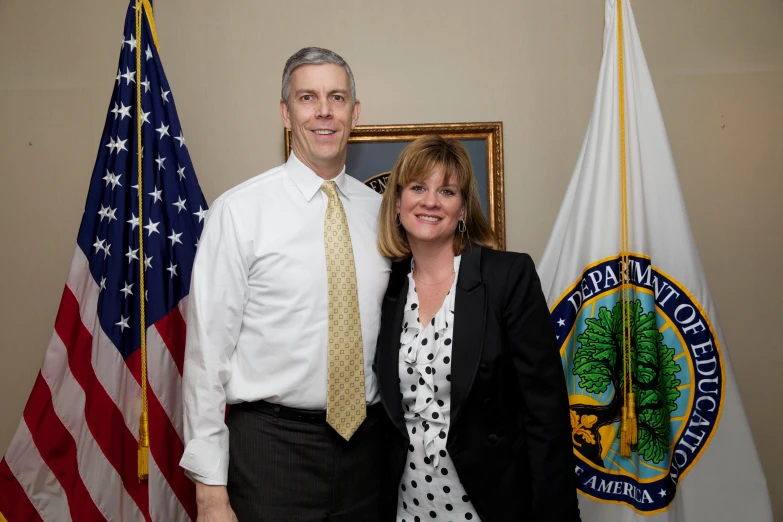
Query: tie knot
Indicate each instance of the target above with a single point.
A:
(329, 188)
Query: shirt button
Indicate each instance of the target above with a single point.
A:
(483, 367)
(492, 438)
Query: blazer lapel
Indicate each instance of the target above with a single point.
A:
(388, 350)
(469, 319)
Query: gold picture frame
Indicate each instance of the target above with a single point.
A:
(372, 150)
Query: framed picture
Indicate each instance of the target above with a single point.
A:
(373, 149)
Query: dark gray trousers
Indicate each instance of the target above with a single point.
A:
(283, 470)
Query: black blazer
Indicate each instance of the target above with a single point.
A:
(510, 434)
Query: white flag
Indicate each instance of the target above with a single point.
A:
(694, 458)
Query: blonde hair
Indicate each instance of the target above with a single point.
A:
(416, 163)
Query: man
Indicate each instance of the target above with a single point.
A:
(283, 318)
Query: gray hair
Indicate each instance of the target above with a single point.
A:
(314, 56)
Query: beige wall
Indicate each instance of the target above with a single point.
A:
(717, 67)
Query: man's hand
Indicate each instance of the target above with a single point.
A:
(212, 503)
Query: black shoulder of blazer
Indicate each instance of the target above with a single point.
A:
(510, 433)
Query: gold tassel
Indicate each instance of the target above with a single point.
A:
(632, 427)
(625, 446)
(144, 445)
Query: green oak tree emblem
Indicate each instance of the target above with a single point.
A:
(598, 364)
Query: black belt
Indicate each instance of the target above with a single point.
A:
(295, 414)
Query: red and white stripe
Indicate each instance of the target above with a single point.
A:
(73, 456)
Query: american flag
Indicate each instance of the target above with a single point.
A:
(74, 454)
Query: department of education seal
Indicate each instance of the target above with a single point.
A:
(677, 378)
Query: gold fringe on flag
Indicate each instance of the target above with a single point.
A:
(625, 447)
(142, 7)
(628, 427)
(632, 426)
(144, 429)
(144, 447)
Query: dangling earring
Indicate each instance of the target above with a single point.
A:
(397, 220)
(461, 227)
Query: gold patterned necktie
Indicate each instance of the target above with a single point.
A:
(346, 405)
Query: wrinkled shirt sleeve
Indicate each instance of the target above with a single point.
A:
(217, 298)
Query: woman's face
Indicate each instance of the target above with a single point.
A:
(431, 209)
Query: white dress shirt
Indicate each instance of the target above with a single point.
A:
(257, 313)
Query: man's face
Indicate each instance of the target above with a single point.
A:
(321, 115)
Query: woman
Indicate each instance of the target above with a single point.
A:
(467, 363)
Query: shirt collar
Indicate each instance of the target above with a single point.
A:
(308, 182)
